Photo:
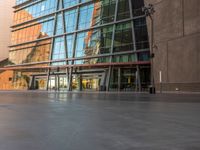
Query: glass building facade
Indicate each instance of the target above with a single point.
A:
(80, 45)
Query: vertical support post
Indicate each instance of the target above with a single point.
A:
(152, 52)
(74, 48)
(119, 79)
(108, 78)
(31, 83)
(56, 82)
(112, 47)
(136, 81)
(70, 80)
(52, 46)
(67, 76)
(48, 76)
(58, 79)
(65, 42)
(134, 45)
(80, 82)
(139, 79)
(160, 75)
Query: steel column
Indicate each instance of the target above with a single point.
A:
(135, 47)
(52, 46)
(65, 42)
(112, 47)
(74, 48)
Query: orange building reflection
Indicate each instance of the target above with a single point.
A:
(28, 53)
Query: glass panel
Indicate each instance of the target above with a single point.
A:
(90, 82)
(108, 11)
(94, 42)
(69, 3)
(85, 16)
(123, 10)
(125, 58)
(40, 29)
(128, 79)
(141, 33)
(84, 0)
(114, 79)
(123, 38)
(63, 82)
(52, 83)
(103, 60)
(59, 51)
(36, 52)
(20, 1)
(144, 56)
(59, 25)
(76, 82)
(70, 42)
(137, 7)
(145, 77)
(39, 9)
(70, 20)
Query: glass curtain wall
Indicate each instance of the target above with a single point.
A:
(94, 40)
(81, 32)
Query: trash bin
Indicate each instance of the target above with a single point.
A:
(152, 90)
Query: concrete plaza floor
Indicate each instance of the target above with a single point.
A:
(99, 121)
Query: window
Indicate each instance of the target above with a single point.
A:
(39, 9)
(94, 42)
(59, 50)
(123, 10)
(69, 3)
(85, 18)
(70, 42)
(123, 38)
(59, 25)
(108, 11)
(141, 34)
(43, 29)
(29, 53)
(70, 20)
(137, 7)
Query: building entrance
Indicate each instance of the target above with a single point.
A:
(86, 82)
(83, 80)
(58, 82)
(91, 82)
(117, 79)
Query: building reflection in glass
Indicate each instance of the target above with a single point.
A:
(87, 47)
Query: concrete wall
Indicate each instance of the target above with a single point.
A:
(177, 37)
(5, 23)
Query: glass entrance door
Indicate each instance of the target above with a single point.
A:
(128, 79)
(52, 83)
(90, 82)
(63, 84)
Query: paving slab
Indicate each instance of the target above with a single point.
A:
(98, 121)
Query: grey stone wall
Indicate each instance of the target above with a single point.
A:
(177, 37)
